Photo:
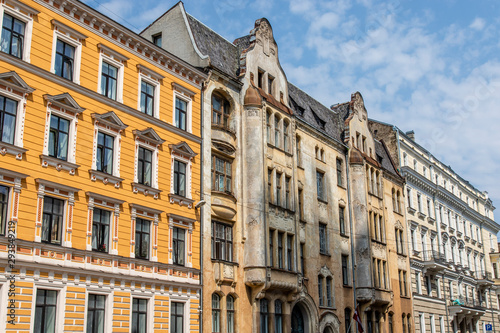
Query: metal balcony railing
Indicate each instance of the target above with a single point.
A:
(483, 275)
(436, 256)
(469, 302)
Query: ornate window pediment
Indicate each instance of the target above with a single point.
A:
(13, 81)
(110, 119)
(149, 135)
(64, 101)
(183, 149)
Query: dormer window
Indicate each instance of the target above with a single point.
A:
(157, 40)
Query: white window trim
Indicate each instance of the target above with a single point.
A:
(15, 188)
(187, 311)
(28, 31)
(69, 202)
(71, 135)
(119, 80)
(116, 148)
(188, 174)
(151, 215)
(187, 99)
(78, 54)
(60, 303)
(150, 309)
(154, 162)
(156, 84)
(109, 204)
(19, 127)
(186, 224)
(108, 308)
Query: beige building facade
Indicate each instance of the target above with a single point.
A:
(452, 234)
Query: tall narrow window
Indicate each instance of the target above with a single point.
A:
(65, 60)
(270, 81)
(179, 178)
(109, 77)
(298, 148)
(4, 205)
(391, 325)
(8, 114)
(264, 316)
(95, 313)
(302, 261)
(329, 295)
(144, 166)
(278, 316)
(270, 184)
(139, 315)
(287, 192)
(339, 172)
(280, 249)
(104, 158)
(345, 270)
(268, 126)
(271, 248)
(342, 220)
(221, 174)
(278, 189)
(100, 230)
(277, 132)
(260, 79)
(215, 313)
(52, 220)
(286, 126)
(320, 185)
(320, 291)
(222, 241)
(230, 313)
(58, 137)
(289, 252)
(45, 311)
(220, 111)
(301, 205)
(147, 98)
(142, 238)
(347, 320)
(323, 245)
(178, 243)
(12, 36)
(180, 113)
(176, 317)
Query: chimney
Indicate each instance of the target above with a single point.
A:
(411, 135)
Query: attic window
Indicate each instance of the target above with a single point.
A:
(157, 40)
(320, 121)
(379, 159)
(260, 79)
(270, 81)
(297, 107)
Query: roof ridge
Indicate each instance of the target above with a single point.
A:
(215, 32)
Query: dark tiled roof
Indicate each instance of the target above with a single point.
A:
(314, 113)
(223, 54)
(384, 159)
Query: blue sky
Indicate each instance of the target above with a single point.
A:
(428, 66)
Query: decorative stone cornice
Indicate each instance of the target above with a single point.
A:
(92, 20)
(67, 30)
(116, 55)
(22, 7)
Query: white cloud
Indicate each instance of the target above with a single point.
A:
(478, 24)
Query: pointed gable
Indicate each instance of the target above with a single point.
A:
(149, 135)
(110, 119)
(64, 101)
(15, 82)
(182, 148)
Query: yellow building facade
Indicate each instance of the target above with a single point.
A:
(99, 176)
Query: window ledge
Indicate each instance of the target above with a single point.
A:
(344, 235)
(347, 286)
(411, 210)
(421, 215)
(226, 194)
(106, 178)
(59, 164)
(224, 129)
(147, 190)
(182, 201)
(342, 186)
(7, 148)
(323, 201)
(231, 263)
(326, 254)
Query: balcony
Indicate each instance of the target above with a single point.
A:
(484, 279)
(466, 308)
(434, 261)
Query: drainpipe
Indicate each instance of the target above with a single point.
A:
(201, 209)
(351, 231)
(491, 309)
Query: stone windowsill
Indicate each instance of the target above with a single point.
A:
(59, 164)
(180, 200)
(147, 190)
(7, 148)
(105, 178)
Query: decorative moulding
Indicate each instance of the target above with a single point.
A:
(105, 178)
(180, 200)
(59, 164)
(147, 190)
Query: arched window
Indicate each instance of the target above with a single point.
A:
(347, 320)
(220, 111)
(278, 316)
(408, 320)
(277, 131)
(268, 126)
(329, 292)
(230, 313)
(391, 325)
(404, 323)
(264, 316)
(320, 290)
(286, 126)
(394, 205)
(215, 313)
